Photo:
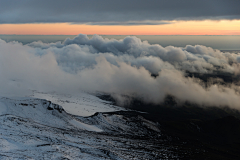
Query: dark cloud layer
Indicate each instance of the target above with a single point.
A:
(129, 12)
(118, 67)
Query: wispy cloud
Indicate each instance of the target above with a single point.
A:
(127, 23)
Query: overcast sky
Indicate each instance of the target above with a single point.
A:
(115, 12)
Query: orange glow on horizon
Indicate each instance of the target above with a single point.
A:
(223, 27)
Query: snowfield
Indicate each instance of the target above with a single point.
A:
(81, 104)
(34, 128)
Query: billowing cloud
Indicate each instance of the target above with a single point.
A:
(238, 59)
(132, 50)
(118, 67)
(122, 12)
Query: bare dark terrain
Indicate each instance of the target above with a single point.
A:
(205, 132)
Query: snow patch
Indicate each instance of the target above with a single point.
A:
(81, 104)
(85, 126)
(3, 108)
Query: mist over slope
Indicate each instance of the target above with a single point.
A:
(120, 67)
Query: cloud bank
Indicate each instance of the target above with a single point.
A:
(118, 67)
(110, 12)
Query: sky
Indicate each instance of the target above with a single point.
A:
(125, 17)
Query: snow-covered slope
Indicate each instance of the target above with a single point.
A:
(121, 122)
(81, 104)
(42, 111)
(32, 128)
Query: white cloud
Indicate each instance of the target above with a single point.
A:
(118, 67)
